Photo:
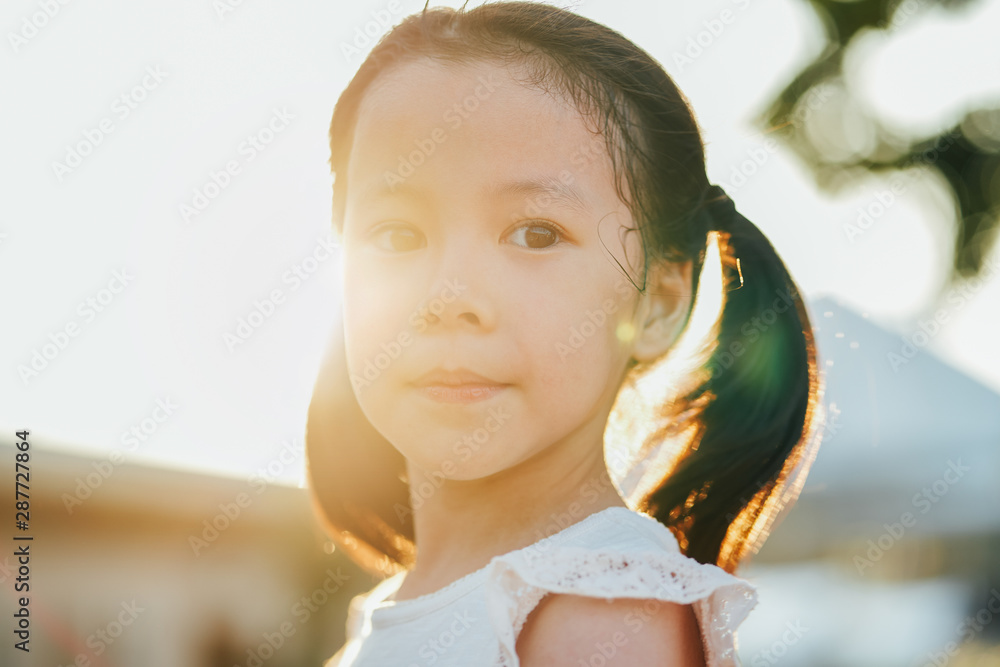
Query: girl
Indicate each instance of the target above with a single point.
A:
(526, 228)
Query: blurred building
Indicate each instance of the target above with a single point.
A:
(139, 566)
(891, 556)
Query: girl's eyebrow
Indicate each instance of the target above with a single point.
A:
(381, 189)
(542, 186)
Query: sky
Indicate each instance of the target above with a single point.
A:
(200, 195)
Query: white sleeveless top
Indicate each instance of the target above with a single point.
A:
(475, 620)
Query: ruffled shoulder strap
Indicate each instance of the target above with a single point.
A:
(516, 583)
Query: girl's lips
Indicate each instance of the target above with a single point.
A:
(460, 393)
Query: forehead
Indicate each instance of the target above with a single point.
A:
(438, 126)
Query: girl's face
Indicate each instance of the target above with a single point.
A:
(480, 229)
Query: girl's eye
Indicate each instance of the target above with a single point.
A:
(397, 238)
(402, 238)
(538, 235)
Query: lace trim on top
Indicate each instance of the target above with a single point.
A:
(517, 582)
(385, 610)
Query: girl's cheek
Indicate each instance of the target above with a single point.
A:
(602, 321)
(576, 340)
(365, 310)
(381, 321)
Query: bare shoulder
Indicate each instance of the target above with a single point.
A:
(569, 630)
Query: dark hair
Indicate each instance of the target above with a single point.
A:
(752, 407)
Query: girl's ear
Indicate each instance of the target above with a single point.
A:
(662, 310)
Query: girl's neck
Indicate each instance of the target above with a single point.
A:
(463, 525)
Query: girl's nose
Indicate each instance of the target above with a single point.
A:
(456, 303)
(460, 296)
(468, 316)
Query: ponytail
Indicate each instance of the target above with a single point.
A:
(749, 452)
